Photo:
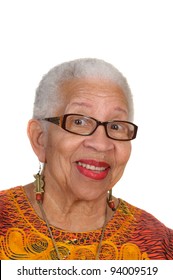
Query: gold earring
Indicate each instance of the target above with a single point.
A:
(110, 201)
(39, 185)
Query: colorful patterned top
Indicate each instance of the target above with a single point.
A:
(131, 234)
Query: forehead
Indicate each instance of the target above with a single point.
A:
(92, 92)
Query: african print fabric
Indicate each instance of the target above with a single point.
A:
(131, 234)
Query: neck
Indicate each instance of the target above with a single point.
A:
(75, 215)
(71, 214)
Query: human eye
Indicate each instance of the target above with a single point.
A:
(114, 126)
(76, 122)
(117, 126)
(79, 121)
(79, 124)
(118, 129)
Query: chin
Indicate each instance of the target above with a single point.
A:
(89, 192)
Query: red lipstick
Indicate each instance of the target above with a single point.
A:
(97, 170)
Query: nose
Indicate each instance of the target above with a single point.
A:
(99, 140)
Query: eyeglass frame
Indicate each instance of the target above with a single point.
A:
(61, 121)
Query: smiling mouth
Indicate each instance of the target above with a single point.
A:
(93, 169)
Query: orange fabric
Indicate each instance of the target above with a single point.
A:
(131, 234)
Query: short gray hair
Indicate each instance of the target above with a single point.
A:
(48, 92)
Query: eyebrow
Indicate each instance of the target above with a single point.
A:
(90, 106)
(82, 104)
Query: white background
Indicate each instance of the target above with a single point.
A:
(135, 36)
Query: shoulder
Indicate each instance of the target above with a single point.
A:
(150, 232)
(9, 207)
(9, 192)
(146, 219)
(8, 196)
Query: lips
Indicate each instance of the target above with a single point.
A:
(93, 169)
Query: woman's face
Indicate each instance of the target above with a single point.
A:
(70, 159)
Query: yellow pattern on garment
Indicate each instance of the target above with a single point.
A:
(131, 234)
(16, 246)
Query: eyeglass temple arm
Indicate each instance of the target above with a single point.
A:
(55, 120)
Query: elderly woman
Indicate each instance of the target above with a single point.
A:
(81, 132)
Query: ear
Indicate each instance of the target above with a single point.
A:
(37, 137)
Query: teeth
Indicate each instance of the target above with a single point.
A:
(91, 167)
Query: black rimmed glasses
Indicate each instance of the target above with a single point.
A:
(85, 126)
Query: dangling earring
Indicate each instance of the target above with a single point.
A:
(110, 201)
(39, 185)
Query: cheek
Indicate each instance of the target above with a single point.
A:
(58, 158)
(125, 151)
(121, 158)
(122, 154)
(61, 147)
